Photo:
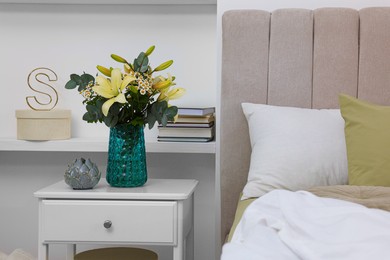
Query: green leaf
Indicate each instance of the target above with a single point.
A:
(99, 104)
(162, 106)
(122, 115)
(151, 120)
(111, 121)
(140, 58)
(145, 65)
(157, 112)
(137, 121)
(71, 84)
(114, 109)
(94, 112)
(141, 62)
(164, 120)
(171, 112)
(133, 89)
(92, 109)
(82, 86)
(87, 78)
(168, 115)
(90, 118)
(136, 66)
(76, 78)
(81, 81)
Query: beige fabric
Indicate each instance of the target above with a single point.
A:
(306, 68)
(245, 59)
(17, 254)
(3, 256)
(374, 55)
(290, 58)
(369, 196)
(117, 253)
(336, 46)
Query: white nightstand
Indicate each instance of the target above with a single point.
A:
(158, 213)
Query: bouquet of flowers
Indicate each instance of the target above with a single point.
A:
(132, 95)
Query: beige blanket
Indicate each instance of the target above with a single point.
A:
(369, 196)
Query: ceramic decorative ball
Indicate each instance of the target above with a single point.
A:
(82, 174)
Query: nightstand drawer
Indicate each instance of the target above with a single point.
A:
(126, 221)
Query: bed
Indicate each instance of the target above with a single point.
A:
(306, 64)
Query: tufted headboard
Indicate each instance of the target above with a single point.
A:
(294, 57)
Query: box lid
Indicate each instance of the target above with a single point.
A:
(56, 113)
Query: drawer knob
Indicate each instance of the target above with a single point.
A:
(107, 224)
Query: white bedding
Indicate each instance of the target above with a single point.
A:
(299, 225)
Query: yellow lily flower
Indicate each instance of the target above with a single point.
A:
(160, 83)
(112, 89)
(164, 65)
(175, 93)
(127, 68)
(104, 70)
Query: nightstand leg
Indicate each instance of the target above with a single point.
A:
(43, 251)
(190, 236)
(190, 245)
(70, 251)
(178, 252)
(184, 250)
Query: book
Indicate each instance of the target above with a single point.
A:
(195, 119)
(186, 132)
(184, 139)
(195, 111)
(194, 125)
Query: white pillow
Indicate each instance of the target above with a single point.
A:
(294, 148)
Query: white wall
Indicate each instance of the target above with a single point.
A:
(75, 38)
(225, 5)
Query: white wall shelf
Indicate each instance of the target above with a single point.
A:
(101, 145)
(113, 2)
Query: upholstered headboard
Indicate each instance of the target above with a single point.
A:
(294, 57)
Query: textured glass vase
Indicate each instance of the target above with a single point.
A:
(126, 165)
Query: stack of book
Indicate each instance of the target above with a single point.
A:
(191, 125)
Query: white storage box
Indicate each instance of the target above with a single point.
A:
(43, 125)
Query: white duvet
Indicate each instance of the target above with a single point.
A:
(299, 225)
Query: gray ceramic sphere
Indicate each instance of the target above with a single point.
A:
(82, 174)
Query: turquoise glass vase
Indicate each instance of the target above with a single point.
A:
(126, 165)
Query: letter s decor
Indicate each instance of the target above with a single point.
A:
(46, 106)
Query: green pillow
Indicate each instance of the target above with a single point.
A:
(367, 134)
